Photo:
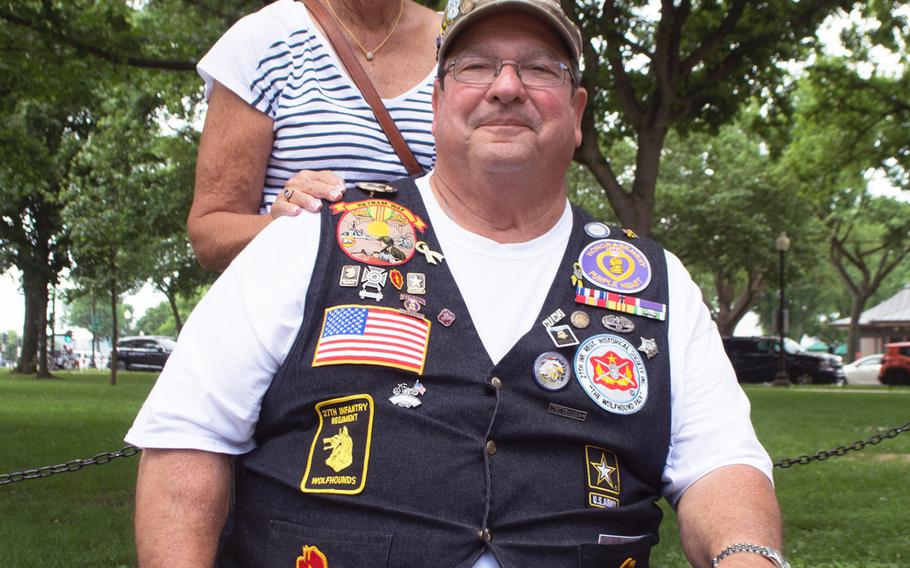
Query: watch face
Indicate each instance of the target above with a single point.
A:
(778, 558)
(774, 556)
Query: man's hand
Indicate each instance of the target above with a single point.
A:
(732, 504)
(182, 502)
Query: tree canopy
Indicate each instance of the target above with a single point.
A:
(681, 66)
(700, 127)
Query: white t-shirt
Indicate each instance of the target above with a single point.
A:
(279, 62)
(209, 394)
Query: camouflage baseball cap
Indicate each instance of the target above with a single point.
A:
(460, 13)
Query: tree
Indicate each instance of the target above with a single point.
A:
(159, 320)
(106, 211)
(690, 66)
(153, 34)
(174, 270)
(9, 345)
(37, 143)
(866, 247)
(85, 311)
(720, 212)
(687, 66)
(846, 126)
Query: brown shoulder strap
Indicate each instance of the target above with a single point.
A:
(359, 76)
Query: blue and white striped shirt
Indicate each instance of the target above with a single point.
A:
(278, 61)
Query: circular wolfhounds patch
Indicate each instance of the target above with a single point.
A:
(612, 373)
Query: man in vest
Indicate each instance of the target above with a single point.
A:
(517, 386)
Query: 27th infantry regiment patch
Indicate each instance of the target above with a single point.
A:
(340, 452)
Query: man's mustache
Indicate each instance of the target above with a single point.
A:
(493, 118)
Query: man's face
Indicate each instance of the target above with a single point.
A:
(507, 126)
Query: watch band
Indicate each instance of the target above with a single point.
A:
(771, 554)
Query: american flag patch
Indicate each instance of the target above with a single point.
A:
(372, 335)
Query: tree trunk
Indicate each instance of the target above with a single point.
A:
(635, 208)
(853, 334)
(34, 327)
(732, 306)
(115, 332)
(172, 300)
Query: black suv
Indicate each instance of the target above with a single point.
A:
(756, 360)
(144, 352)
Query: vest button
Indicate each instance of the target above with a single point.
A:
(486, 536)
(497, 384)
(491, 447)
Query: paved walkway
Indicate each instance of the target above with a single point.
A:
(882, 390)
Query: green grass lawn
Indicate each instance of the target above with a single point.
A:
(846, 512)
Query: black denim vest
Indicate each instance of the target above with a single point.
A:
(433, 491)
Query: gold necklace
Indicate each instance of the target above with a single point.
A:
(367, 52)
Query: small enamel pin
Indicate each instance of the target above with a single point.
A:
(562, 336)
(620, 324)
(552, 371)
(580, 319)
(432, 256)
(350, 276)
(446, 317)
(405, 396)
(373, 188)
(396, 278)
(597, 230)
(648, 347)
(554, 318)
(374, 278)
(417, 283)
(412, 305)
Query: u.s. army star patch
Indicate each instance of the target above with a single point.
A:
(340, 452)
(602, 467)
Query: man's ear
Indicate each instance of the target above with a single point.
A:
(579, 100)
(438, 93)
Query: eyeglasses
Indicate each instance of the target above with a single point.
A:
(484, 70)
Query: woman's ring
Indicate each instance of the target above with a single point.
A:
(288, 193)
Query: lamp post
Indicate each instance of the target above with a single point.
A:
(782, 379)
(127, 316)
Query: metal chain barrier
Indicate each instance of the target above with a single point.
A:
(129, 451)
(842, 450)
(70, 466)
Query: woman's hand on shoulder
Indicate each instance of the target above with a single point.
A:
(305, 191)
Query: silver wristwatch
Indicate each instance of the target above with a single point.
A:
(771, 554)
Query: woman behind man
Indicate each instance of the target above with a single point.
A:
(285, 119)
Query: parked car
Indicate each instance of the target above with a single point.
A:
(864, 371)
(757, 360)
(144, 352)
(896, 364)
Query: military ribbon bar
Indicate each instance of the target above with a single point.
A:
(620, 303)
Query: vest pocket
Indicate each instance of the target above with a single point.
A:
(297, 546)
(631, 554)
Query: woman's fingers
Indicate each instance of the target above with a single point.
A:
(283, 207)
(306, 190)
(309, 187)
